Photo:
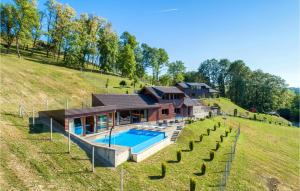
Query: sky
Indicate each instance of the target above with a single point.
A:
(262, 33)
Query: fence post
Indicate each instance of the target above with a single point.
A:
(20, 110)
(51, 129)
(69, 141)
(121, 181)
(46, 103)
(33, 116)
(93, 158)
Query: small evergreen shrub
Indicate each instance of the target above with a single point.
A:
(163, 169)
(203, 168)
(270, 122)
(215, 127)
(221, 138)
(217, 146)
(123, 83)
(126, 91)
(208, 131)
(211, 155)
(219, 124)
(192, 184)
(200, 138)
(254, 117)
(107, 82)
(191, 145)
(178, 156)
(235, 112)
(230, 129)
(209, 114)
(226, 133)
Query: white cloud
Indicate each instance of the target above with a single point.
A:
(169, 10)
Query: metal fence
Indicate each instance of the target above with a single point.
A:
(225, 175)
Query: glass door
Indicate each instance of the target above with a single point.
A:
(102, 122)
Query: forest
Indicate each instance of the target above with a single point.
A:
(80, 41)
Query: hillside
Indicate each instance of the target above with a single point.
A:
(49, 167)
(228, 107)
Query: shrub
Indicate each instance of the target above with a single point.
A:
(235, 112)
(218, 146)
(141, 86)
(163, 169)
(254, 117)
(221, 138)
(107, 82)
(126, 91)
(211, 155)
(192, 184)
(226, 133)
(209, 114)
(200, 138)
(203, 168)
(178, 156)
(208, 131)
(270, 122)
(123, 83)
(215, 127)
(191, 145)
(219, 124)
(230, 129)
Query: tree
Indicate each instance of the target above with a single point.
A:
(37, 30)
(50, 13)
(165, 80)
(8, 24)
(176, 71)
(108, 48)
(127, 60)
(26, 17)
(162, 60)
(193, 76)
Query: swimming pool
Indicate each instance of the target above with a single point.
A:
(137, 140)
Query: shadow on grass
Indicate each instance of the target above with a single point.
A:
(198, 174)
(198, 141)
(55, 152)
(79, 159)
(172, 161)
(207, 159)
(215, 185)
(155, 177)
(185, 150)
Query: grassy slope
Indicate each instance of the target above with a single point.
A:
(228, 107)
(48, 167)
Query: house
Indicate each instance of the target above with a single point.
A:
(151, 104)
(196, 90)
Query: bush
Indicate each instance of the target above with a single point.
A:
(219, 124)
(192, 184)
(226, 133)
(123, 83)
(211, 155)
(141, 86)
(215, 127)
(208, 131)
(203, 169)
(200, 138)
(254, 117)
(235, 112)
(191, 145)
(217, 146)
(126, 91)
(221, 138)
(230, 129)
(107, 82)
(178, 156)
(209, 114)
(163, 169)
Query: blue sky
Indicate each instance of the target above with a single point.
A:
(263, 33)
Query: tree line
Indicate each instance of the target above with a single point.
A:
(77, 41)
(255, 90)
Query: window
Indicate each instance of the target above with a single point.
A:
(165, 111)
(177, 110)
(176, 96)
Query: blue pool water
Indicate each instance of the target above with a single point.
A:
(138, 140)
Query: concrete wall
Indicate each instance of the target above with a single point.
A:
(152, 150)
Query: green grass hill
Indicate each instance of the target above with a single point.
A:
(266, 153)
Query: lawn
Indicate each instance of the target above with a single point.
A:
(29, 161)
(228, 107)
